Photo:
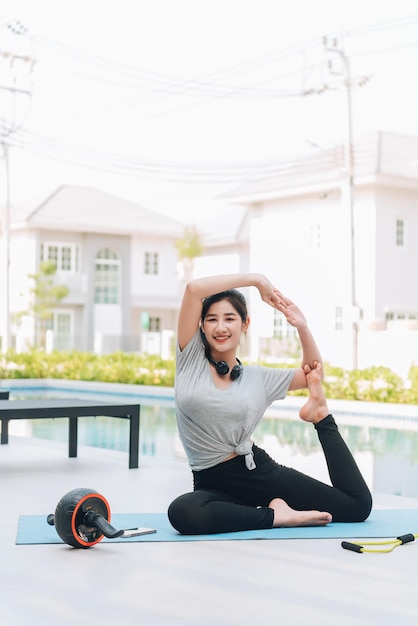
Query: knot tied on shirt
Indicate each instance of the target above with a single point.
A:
(246, 449)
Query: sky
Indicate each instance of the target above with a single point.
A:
(168, 103)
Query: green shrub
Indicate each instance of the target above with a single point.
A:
(413, 381)
(374, 384)
(118, 367)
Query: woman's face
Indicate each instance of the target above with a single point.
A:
(223, 327)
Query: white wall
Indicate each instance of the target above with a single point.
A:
(396, 267)
(365, 251)
(397, 350)
(219, 264)
(298, 244)
(282, 245)
(166, 282)
(23, 252)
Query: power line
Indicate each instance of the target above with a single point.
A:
(162, 85)
(203, 84)
(122, 164)
(182, 85)
(118, 163)
(158, 86)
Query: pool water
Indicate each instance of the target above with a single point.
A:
(387, 457)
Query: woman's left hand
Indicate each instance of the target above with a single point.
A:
(292, 313)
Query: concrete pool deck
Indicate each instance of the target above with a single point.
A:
(287, 582)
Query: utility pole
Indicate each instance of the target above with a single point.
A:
(332, 47)
(5, 236)
(10, 66)
(349, 168)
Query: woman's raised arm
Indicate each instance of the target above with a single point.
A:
(197, 290)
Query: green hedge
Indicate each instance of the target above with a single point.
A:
(118, 367)
(376, 384)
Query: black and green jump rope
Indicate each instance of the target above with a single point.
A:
(389, 544)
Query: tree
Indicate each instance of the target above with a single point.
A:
(46, 295)
(189, 247)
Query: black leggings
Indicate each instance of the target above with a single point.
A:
(229, 497)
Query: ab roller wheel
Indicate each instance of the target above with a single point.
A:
(82, 518)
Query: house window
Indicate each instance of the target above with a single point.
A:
(338, 318)
(315, 235)
(151, 263)
(400, 315)
(400, 233)
(155, 324)
(107, 277)
(281, 329)
(66, 258)
(150, 324)
(64, 255)
(63, 326)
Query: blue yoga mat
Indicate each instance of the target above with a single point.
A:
(34, 529)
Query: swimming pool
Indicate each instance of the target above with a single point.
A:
(385, 446)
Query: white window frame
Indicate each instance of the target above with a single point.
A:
(339, 318)
(315, 235)
(59, 338)
(155, 324)
(107, 282)
(391, 316)
(151, 263)
(281, 328)
(400, 233)
(59, 258)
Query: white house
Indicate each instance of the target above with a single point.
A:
(119, 262)
(343, 248)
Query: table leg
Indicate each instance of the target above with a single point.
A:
(134, 439)
(4, 431)
(72, 436)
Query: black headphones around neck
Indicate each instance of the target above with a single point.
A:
(222, 368)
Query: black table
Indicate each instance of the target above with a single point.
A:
(4, 395)
(72, 409)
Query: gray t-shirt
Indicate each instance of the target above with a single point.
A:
(213, 423)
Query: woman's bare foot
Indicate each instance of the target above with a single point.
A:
(286, 517)
(316, 408)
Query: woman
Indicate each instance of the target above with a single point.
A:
(237, 486)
